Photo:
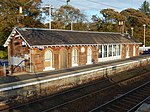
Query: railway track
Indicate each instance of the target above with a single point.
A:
(77, 103)
(58, 99)
(127, 102)
(54, 102)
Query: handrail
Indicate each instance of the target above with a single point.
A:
(19, 64)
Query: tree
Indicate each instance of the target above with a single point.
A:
(65, 15)
(111, 15)
(10, 14)
(145, 7)
(95, 25)
(133, 18)
(109, 21)
(9, 10)
(136, 19)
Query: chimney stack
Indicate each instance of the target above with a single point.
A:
(121, 26)
(20, 18)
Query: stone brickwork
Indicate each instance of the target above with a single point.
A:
(95, 54)
(130, 46)
(82, 56)
(37, 60)
(36, 56)
(53, 86)
(17, 49)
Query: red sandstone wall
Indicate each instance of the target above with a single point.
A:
(37, 60)
(95, 54)
(82, 56)
(16, 49)
(123, 56)
(38, 55)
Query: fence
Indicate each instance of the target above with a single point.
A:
(144, 48)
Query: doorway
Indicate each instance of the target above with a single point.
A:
(63, 58)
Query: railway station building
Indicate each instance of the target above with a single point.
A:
(37, 50)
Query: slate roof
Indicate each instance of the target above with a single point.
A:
(60, 37)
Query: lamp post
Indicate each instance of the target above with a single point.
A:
(71, 25)
(132, 30)
(20, 7)
(67, 1)
(50, 10)
(144, 25)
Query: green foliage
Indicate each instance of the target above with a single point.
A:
(145, 7)
(112, 15)
(66, 14)
(3, 54)
(9, 10)
(131, 17)
(96, 23)
(62, 18)
(136, 19)
(109, 22)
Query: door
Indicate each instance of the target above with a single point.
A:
(63, 58)
(127, 52)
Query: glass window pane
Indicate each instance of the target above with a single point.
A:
(110, 51)
(89, 55)
(74, 56)
(119, 50)
(114, 50)
(100, 51)
(105, 50)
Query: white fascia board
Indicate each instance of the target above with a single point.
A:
(81, 44)
(8, 39)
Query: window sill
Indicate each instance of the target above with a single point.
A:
(48, 68)
(88, 63)
(73, 65)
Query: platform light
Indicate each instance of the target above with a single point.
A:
(144, 25)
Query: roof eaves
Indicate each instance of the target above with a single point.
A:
(80, 44)
(24, 39)
(8, 39)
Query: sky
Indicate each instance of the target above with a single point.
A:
(92, 7)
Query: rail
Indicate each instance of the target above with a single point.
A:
(101, 82)
(60, 94)
(112, 105)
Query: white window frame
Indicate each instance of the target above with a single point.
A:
(48, 59)
(127, 51)
(89, 56)
(115, 51)
(100, 51)
(74, 57)
(110, 51)
(105, 51)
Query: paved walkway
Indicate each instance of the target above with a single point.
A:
(57, 73)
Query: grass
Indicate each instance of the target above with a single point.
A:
(3, 54)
